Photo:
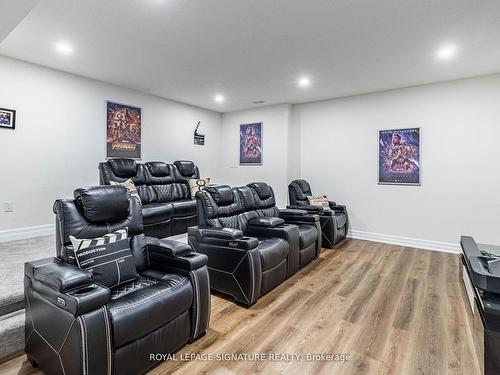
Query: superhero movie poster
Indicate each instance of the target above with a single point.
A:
(123, 134)
(399, 156)
(251, 144)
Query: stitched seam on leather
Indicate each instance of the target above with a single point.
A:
(151, 297)
(86, 344)
(197, 291)
(66, 336)
(252, 278)
(82, 334)
(108, 339)
(239, 286)
(62, 366)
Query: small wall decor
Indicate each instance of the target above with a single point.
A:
(199, 139)
(251, 144)
(123, 134)
(7, 118)
(399, 156)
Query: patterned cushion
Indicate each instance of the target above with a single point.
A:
(321, 201)
(197, 184)
(129, 184)
(109, 258)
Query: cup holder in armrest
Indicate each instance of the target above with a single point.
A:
(189, 255)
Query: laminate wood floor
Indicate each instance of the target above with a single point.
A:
(394, 310)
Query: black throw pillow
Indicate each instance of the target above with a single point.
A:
(109, 258)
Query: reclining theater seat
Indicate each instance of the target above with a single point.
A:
(334, 222)
(248, 255)
(264, 203)
(167, 206)
(77, 326)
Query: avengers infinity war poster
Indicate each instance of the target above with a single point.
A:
(251, 144)
(123, 135)
(399, 156)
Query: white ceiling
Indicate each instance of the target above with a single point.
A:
(12, 13)
(250, 50)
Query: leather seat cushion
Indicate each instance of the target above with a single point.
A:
(272, 252)
(157, 212)
(144, 305)
(308, 235)
(184, 207)
(341, 219)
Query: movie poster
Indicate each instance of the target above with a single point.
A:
(251, 144)
(399, 156)
(123, 135)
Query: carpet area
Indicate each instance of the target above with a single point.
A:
(13, 255)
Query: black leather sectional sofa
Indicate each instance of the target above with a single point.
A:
(334, 221)
(167, 206)
(76, 326)
(252, 246)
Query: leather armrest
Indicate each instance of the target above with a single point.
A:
(222, 233)
(281, 232)
(170, 247)
(266, 222)
(339, 208)
(314, 210)
(62, 276)
(170, 253)
(67, 287)
(298, 216)
(227, 237)
(308, 208)
(292, 211)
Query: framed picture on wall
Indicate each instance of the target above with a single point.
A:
(399, 156)
(251, 144)
(7, 118)
(123, 131)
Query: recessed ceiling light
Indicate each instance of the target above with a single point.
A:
(64, 48)
(219, 98)
(446, 52)
(304, 82)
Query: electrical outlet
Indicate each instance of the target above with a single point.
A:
(8, 207)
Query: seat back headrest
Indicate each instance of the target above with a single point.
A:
(262, 189)
(123, 167)
(186, 167)
(159, 168)
(301, 188)
(222, 194)
(304, 186)
(246, 197)
(103, 204)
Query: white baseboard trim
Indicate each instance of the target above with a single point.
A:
(26, 233)
(446, 247)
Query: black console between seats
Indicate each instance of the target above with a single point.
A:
(480, 275)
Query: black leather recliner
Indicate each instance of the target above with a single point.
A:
(334, 222)
(309, 226)
(167, 206)
(249, 252)
(76, 326)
